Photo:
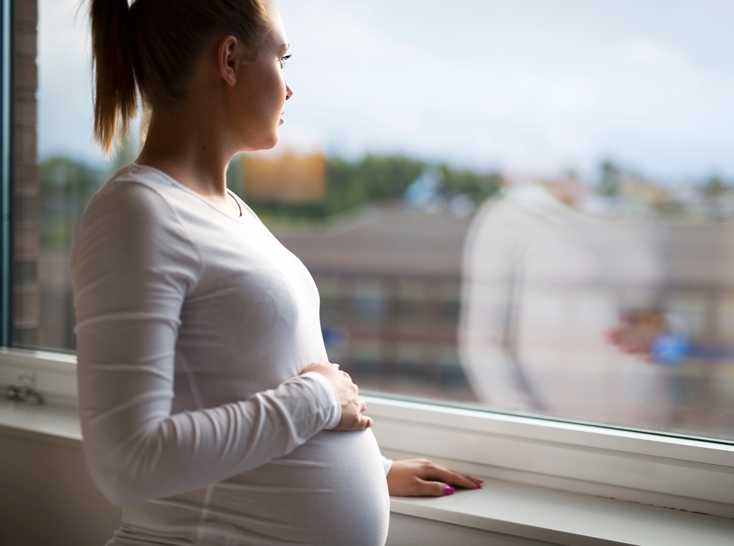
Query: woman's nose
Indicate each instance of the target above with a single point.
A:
(289, 92)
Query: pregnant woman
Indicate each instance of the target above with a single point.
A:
(209, 409)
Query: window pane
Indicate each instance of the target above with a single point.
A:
(509, 206)
(526, 208)
(57, 166)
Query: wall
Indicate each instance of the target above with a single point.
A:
(48, 499)
(25, 186)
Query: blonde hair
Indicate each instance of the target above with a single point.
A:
(150, 47)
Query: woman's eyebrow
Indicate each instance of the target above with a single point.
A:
(284, 48)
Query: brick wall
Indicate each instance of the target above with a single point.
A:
(26, 187)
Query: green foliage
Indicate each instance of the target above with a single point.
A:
(477, 186)
(609, 180)
(372, 178)
(55, 234)
(66, 186)
(345, 189)
(63, 176)
(386, 177)
(715, 187)
(379, 178)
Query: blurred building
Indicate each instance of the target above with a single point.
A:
(639, 194)
(389, 278)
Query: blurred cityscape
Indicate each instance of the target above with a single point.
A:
(384, 235)
(602, 294)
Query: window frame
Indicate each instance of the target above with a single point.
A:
(647, 467)
(644, 467)
(6, 168)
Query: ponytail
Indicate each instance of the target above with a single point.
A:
(151, 47)
(115, 88)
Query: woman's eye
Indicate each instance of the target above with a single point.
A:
(283, 60)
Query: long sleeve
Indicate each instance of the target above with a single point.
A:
(386, 464)
(132, 268)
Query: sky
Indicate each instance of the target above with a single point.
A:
(527, 87)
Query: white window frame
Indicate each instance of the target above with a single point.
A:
(645, 467)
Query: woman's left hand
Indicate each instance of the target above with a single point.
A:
(423, 478)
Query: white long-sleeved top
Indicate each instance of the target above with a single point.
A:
(192, 326)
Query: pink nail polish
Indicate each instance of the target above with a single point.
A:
(448, 490)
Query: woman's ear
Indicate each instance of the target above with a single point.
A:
(228, 59)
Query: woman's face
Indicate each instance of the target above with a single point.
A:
(261, 91)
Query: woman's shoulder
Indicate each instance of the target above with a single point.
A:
(126, 207)
(129, 192)
(131, 212)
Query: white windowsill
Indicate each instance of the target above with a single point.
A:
(645, 468)
(516, 509)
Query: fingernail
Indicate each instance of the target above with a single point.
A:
(448, 490)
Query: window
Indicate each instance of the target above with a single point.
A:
(5, 159)
(512, 210)
(585, 291)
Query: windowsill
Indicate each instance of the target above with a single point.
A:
(642, 467)
(521, 510)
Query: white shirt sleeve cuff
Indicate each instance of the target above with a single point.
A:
(386, 464)
(333, 409)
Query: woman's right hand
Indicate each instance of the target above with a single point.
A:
(347, 393)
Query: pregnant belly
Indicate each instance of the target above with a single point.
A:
(329, 491)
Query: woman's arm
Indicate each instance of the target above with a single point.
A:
(132, 267)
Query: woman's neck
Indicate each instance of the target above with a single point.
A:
(189, 149)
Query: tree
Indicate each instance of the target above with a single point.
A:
(66, 185)
(380, 178)
(609, 181)
(714, 188)
(386, 177)
(477, 186)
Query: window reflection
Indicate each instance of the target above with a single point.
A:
(531, 216)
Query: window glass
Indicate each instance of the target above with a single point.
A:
(525, 207)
